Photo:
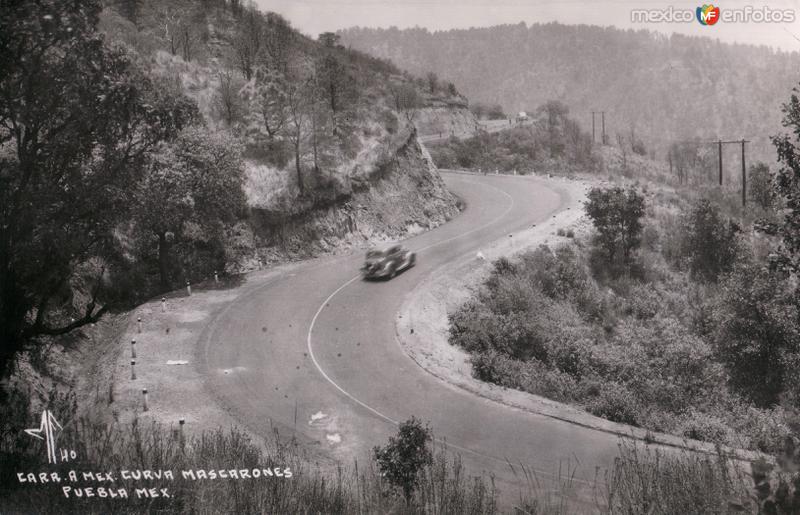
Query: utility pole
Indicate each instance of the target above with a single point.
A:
(744, 166)
(744, 177)
(593, 138)
(603, 114)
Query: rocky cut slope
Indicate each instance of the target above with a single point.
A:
(403, 194)
(329, 147)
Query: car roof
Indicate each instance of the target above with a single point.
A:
(387, 250)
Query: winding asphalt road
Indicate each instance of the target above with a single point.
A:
(314, 352)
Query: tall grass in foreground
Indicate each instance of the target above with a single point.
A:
(444, 488)
(642, 480)
(659, 482)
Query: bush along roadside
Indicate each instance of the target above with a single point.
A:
(663, 319)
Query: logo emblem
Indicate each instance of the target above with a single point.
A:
(707, 14)
(46, 432)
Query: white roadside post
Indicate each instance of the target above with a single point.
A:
(163, 304)
(133, 349)
(180, 431)
(144, 395)
(139, 324)
(133, 370)
(216, 277)
(188, 288)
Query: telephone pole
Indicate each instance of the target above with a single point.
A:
(719, 144)
(744, 165)
(603, 114)
(744, 177)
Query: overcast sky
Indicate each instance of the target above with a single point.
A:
(314, 16)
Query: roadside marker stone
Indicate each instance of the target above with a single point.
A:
(144, 394)
(133, 349)
(163, 305)
(139, 324)
(188, 289)
(133, 370)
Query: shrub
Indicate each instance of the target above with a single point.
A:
(616, 215)
(402, 460)
(616, 403)
(757, 334)
(710, 243)
(764, 430)
(705, 427)
(762, 189)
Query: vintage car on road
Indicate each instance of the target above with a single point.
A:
(387, 263)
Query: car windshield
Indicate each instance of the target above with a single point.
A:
(374, 254)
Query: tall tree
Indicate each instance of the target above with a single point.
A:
(332, 77)
(433, 82)
(788, 184)
(77, 120)
(406, 99)
(228, 101)
(278, 40)
(297, 127)
(553, 114)
(196, 180)
(269, 101)
(248, 41)
(760, 182)
(617, 216)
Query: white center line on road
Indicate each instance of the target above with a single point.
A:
(350, 281)
(376, 412)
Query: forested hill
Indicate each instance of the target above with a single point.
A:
(663, 88)
(147, 143)
(305, 110)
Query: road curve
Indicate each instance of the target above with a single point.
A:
(313, 352)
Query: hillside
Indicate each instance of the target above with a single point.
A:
(321, 126)
(657, 88)
(192, 138)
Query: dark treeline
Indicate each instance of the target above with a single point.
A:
(104, 168)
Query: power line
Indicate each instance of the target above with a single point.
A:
(719, 144)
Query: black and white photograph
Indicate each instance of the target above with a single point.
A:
(527, 257)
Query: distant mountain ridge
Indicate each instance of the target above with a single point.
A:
(661, 88)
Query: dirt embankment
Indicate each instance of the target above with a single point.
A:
(402, 196)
